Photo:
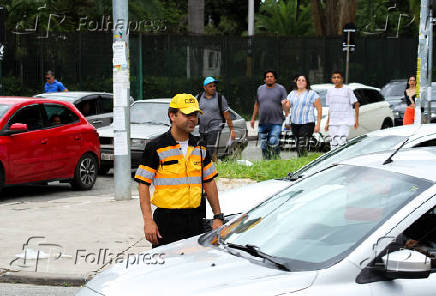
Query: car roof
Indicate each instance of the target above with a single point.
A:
(353, 86)
(409, 130)
(14, 100)
(18, 100)
(69, 96)
(158, 100)
(415, 162)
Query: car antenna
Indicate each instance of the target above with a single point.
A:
(389, 159)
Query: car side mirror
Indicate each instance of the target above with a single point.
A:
(15, 128)
(406, 264)
(18, 127)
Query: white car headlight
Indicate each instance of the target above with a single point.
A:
(396, 113)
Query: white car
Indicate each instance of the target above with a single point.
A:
(374, 114)
(346, 230)
(240, 200)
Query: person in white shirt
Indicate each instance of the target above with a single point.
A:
(341, 116)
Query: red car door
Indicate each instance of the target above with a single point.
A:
(29, 152)
(65, 127)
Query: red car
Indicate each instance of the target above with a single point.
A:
(46, 140)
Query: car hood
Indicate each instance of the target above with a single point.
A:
(193, 269)
(242, 199)
(137, 131)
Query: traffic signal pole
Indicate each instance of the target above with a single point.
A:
(121, 90)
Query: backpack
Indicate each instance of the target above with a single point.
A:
(220, 104)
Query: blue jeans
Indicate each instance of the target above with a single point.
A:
(269, 140)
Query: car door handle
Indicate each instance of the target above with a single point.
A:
(77, 138)
(44, 141)
(97, 121)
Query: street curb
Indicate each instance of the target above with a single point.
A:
(42, 278)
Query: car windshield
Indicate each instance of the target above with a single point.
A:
(357, 146)
(149, 112)
(3, 109)
(393, 89)
(316, 222)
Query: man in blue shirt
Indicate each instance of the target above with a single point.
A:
(52, 85)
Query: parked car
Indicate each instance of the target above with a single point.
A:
(46, 140)
(149, 119)
(240, 200)
(341, 231)
(393, 91)
(97, 107)
(374, 114)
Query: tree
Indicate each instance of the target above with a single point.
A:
(330, 18)
(280, 17)
(196, 16)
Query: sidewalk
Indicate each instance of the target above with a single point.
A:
(71, 238)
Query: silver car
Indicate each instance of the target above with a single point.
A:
(97, 107)
(149, 119)
(356, 228)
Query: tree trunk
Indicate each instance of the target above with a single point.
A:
(195, 16)
(331, 21)
(331, 13)
(318, 18)
(347, 14)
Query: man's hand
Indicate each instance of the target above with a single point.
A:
(233, 134)
(252, 122)
(356, 125)
(151, 231)
(216, 223)
(317, 128)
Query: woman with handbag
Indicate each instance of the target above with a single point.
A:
(410, 95)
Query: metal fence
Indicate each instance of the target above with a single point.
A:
(177, 63)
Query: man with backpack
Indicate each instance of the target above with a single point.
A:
(215, 114)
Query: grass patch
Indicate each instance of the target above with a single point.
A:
(263, 169)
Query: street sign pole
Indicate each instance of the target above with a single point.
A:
(348, 47)
(347, 62)
(121, 90)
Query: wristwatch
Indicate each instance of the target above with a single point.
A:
(219, 216)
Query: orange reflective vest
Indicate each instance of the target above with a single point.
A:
(176, 178)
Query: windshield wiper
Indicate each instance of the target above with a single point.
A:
(256, 252)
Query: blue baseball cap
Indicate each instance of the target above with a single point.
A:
(209, 79)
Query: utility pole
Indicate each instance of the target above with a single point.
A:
(2, 43)
(250, 37)
(121, 90)
(422, 66)
(430, 63)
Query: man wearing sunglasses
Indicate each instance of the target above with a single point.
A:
(52, 85)
(179, 168)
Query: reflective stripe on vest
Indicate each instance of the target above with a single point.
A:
(145, 173)
(177, 180)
